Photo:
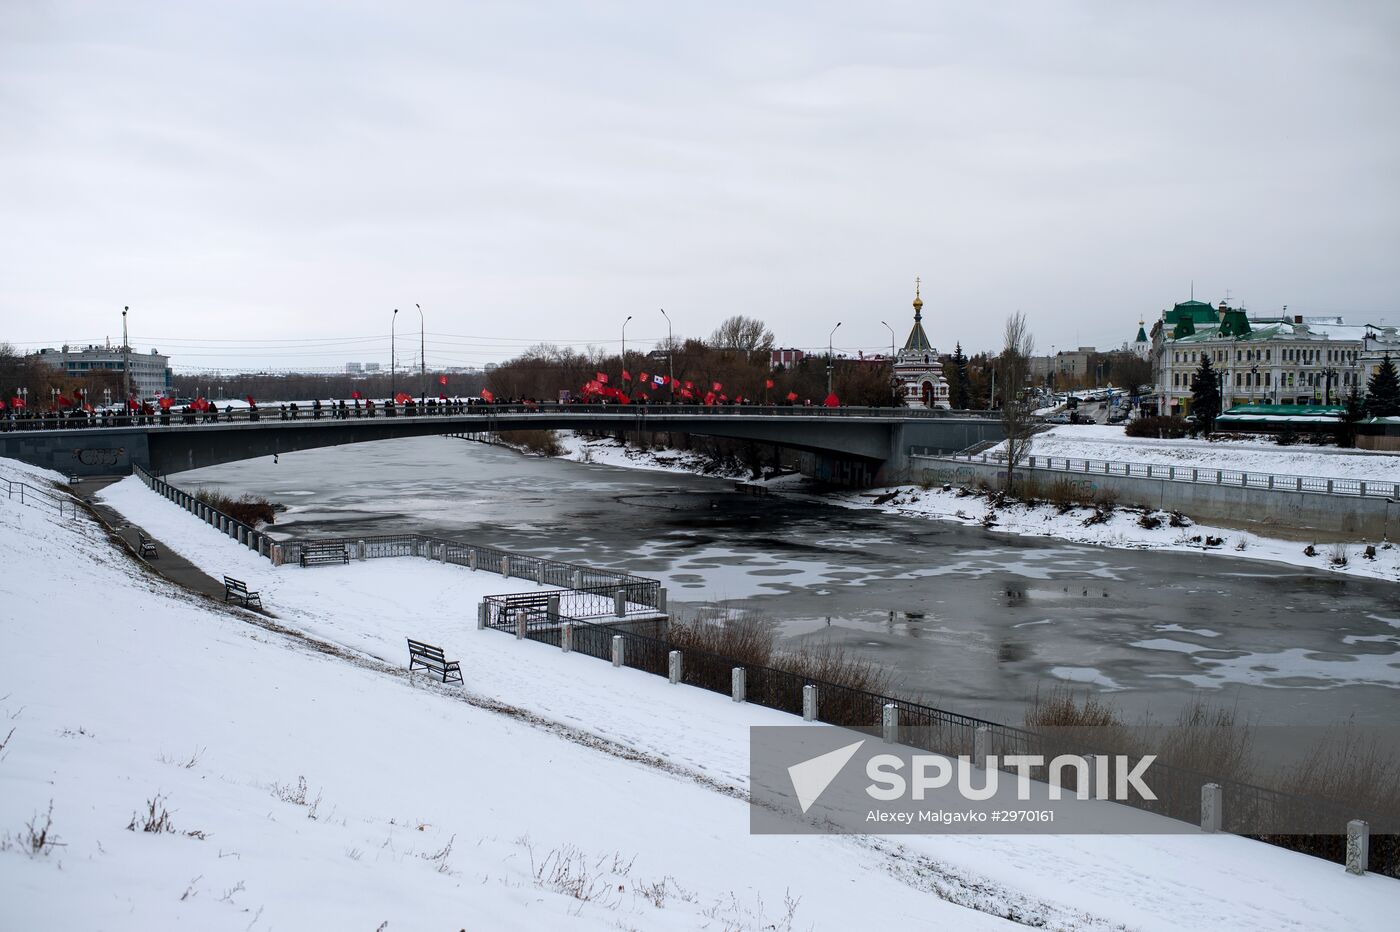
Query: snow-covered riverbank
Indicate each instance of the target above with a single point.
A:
(308, 787)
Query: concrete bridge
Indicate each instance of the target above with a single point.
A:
(856, 446)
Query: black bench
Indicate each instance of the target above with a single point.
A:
(531, 605)
(432, 658)
(238, 589)
(145, 546)
(316, 554)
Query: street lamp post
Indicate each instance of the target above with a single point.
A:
(894, 389)
(422, 356)
(1253, 382)
(393, 362)
(670, 355)
(830, 357)
(126, 360)
(624, 345)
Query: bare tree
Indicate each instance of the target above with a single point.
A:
(1017, 347)
(746, 334)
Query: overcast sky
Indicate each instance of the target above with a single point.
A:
(258, 179)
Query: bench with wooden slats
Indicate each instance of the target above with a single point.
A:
(238, 589)
(317, 554)
(145, 546)
(433, 659)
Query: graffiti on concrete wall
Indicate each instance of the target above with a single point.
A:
(100, 456)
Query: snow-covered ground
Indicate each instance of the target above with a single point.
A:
(553, 792)
(1122, 529)
(608, 452)
(1254, 454)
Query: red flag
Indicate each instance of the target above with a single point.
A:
(767, 383)
(487, 395)
(709, 398)
(17, 402)
(133, 404)
(64, 401)
(792, 396)
(403, 397)
(442, 380)
(832, 401)
(165, 403)
(716, 387)
(687, 393)
(601, 378)
(2, 404)
(354, 396)
(644, 395)
(723, 397)
(200, 404)
(626, 376)
(251, 402)
(641, 377)
(689, 384)
(87, 407)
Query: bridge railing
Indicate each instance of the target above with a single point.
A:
(473, 410)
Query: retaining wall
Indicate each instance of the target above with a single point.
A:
(1262, 509)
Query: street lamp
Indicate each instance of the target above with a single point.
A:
(894, 397)
(126, 360)
(422, 355)
(1253, 382)
(393, 368)
(830, 357)
(624, 344)
(670, 355)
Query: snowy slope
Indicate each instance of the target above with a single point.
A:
(113, 683)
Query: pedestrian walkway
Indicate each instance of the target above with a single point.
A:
(167, 563)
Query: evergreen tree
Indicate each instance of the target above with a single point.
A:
(960, 385)
(1383, 391)
(1205, 395)
(1352, 414)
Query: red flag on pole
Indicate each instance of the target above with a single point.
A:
(64, 401)
(641, 377)
(626, 376)
(832, 401)
(17, 403)
(792, 396)
(251, 402)
(601, 378)
(442, 380)
(716, 387)
(133, 404)
(165, 403)
(767, 383)
(487, 395)
(403, 397)
(354, 396)
(2, 404)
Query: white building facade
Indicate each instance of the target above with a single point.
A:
(150, 372)
(916, 366)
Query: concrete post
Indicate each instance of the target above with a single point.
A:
(620, 603)
(661, 599)
(981, 745)
(673, 666)
(578, 579)
(617, 650)
(520, 619)
(277, 555)
(736, 684)
(481, 611)
(471, 558)
(809, 703)
(361, 551)
(889, 723)
(1358, 846)
(241, 534)
(505, 567)
(554, 607)
(442, 554)
(566, 637)
(539, 573)
(1212, 807)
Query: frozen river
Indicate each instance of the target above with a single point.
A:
(971, 620)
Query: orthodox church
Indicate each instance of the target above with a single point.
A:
(916, 367)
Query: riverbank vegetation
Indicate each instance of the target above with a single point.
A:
(251, 510)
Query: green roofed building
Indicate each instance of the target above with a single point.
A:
(1288, 360)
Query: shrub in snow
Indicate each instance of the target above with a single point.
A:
(1309, 551)
(1370, 552)
(1338, 556)
(1150, 522)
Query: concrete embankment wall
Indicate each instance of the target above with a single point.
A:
(1260, 509)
